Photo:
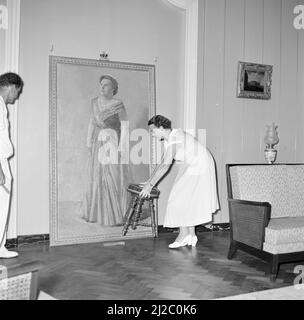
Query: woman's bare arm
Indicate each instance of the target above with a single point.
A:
(160, 170)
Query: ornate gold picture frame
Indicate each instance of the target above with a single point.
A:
(74, 84)
(254, 80)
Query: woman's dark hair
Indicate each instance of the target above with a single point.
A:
(114, 82)
(160, 121)
(10, 78)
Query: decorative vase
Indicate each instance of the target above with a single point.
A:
(270, 155)
(271, 139)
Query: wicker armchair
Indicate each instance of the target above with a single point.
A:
(19, 281)
(266, 210)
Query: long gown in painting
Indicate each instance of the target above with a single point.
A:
(106, 197)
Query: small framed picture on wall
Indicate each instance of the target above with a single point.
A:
(254, 80)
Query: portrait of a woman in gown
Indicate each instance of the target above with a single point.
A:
(105, 199)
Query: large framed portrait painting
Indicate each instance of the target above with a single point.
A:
(99, 144)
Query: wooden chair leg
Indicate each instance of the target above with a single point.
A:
(153, 219)
(128, 215)
(274, 267)
(232, 249)
(137, 212)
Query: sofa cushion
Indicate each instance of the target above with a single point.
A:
(284, 235)
(264, 183)
(285, 230)
(283, 248)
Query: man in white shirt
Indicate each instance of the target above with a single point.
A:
(10, 88)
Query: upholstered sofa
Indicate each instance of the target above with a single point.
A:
(266, 210)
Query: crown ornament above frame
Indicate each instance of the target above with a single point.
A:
(104, 56)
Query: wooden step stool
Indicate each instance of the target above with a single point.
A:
(134, 211)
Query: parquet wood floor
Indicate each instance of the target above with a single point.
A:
(147, 269)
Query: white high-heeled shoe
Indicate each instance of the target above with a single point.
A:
(194, 241)
(184, 242)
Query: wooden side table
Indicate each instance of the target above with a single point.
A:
(134, 211)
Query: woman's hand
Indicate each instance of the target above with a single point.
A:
(146, 190)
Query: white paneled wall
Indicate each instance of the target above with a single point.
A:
(2, 42)
(229, 31)
(258, 31)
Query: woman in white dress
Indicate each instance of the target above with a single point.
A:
(193, 198)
